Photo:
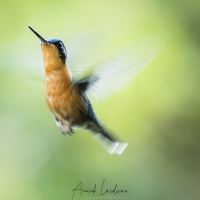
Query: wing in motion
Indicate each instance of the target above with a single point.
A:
(118, 71)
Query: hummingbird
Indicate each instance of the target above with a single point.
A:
(66, 96)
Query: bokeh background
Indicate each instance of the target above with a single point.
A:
(158, 113)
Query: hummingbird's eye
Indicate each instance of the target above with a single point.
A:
(59, 44)
(61, 50)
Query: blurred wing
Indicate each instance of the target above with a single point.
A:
(85, 52)
(120, 70)
(85, 59)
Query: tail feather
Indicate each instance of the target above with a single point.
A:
(112, 147)
(107, 140)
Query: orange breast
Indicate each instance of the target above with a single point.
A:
(57, 89)
(61, 98)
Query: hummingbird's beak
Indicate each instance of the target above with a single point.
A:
(38, 35)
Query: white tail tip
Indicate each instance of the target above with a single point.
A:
(112, 147)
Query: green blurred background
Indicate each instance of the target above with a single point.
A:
(158, 113)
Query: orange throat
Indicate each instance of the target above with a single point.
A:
(51, 57)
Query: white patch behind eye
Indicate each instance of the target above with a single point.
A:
(65, 50)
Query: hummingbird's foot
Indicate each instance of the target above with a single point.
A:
(71, 131)
(65, 127)
(67, 131)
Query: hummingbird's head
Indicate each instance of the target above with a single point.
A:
(54, 51)
(60, 47)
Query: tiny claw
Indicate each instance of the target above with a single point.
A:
(69, 132)
(65, 133)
